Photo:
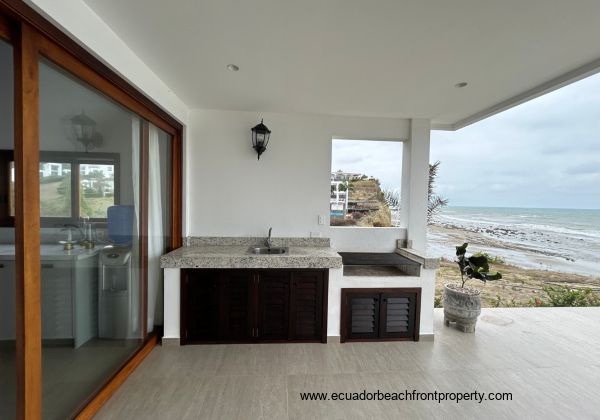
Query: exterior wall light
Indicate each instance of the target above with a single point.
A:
(260, 138)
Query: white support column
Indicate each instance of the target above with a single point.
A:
(418, 175)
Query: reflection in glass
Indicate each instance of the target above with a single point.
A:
(11, 188)
(7, 234)
(55, 189)
(91, 295)
(96, 190)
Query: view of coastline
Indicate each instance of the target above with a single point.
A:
(562, 240)
(533, 248)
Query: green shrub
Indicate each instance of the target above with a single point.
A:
(492, 259)
(500, 302)
(565, 296)
(437, 302)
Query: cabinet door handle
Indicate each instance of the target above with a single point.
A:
(47, 265)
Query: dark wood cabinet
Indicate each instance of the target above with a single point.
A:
(273, 307)
(203, 321)
(267, 305)
(380, 314)
(307, 305)
(233, 303)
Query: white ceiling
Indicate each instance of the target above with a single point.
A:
(387, 58)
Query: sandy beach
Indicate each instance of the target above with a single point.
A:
(525, 271)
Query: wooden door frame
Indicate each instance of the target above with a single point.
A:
(7, 30)
(33, 37)
(27, 227)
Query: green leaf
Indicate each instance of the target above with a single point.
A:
(461, 250)
(495, 276)
(479, 261)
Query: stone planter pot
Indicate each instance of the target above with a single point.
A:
(461, 305)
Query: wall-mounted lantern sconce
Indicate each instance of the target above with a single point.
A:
(84, 129)
(260, 138)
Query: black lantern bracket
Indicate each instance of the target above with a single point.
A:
(260, 138)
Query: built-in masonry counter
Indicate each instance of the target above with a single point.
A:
(238, 252)
(239, 290)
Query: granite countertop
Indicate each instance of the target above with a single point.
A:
(234, 253)
(51, 252)
(427, 262)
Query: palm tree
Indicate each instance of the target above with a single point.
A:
(434, 201)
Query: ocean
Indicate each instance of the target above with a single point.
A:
(555, 239)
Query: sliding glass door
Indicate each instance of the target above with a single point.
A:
(92, 290)
(90, 198)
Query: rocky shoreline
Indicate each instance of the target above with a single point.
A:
(545, 253)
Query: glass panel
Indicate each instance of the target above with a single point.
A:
(7, 234)
(96, 190)
(91, 294)
(55, 189)
(159, 204)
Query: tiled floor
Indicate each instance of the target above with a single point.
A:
(548, 358)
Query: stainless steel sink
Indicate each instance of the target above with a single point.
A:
(263, 250)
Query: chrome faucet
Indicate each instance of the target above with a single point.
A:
(269, 240)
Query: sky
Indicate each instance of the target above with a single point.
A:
(379, 159)
(544, 153)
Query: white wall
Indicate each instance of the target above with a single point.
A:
(231, 193)
(76, 18)
(364, 239)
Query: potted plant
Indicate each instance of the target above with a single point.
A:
(462, 304)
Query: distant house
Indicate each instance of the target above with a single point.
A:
(53, 169)
(106, 170)
(345, 176)
(338, 200)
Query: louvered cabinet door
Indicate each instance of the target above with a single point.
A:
(273, 305)
(397, 316)
(380, 314)
(199, 305)
(306, 315)
(363, 316)
(235, 305)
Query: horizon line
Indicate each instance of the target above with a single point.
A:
(524, 207)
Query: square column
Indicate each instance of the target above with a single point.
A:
(415, 180)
